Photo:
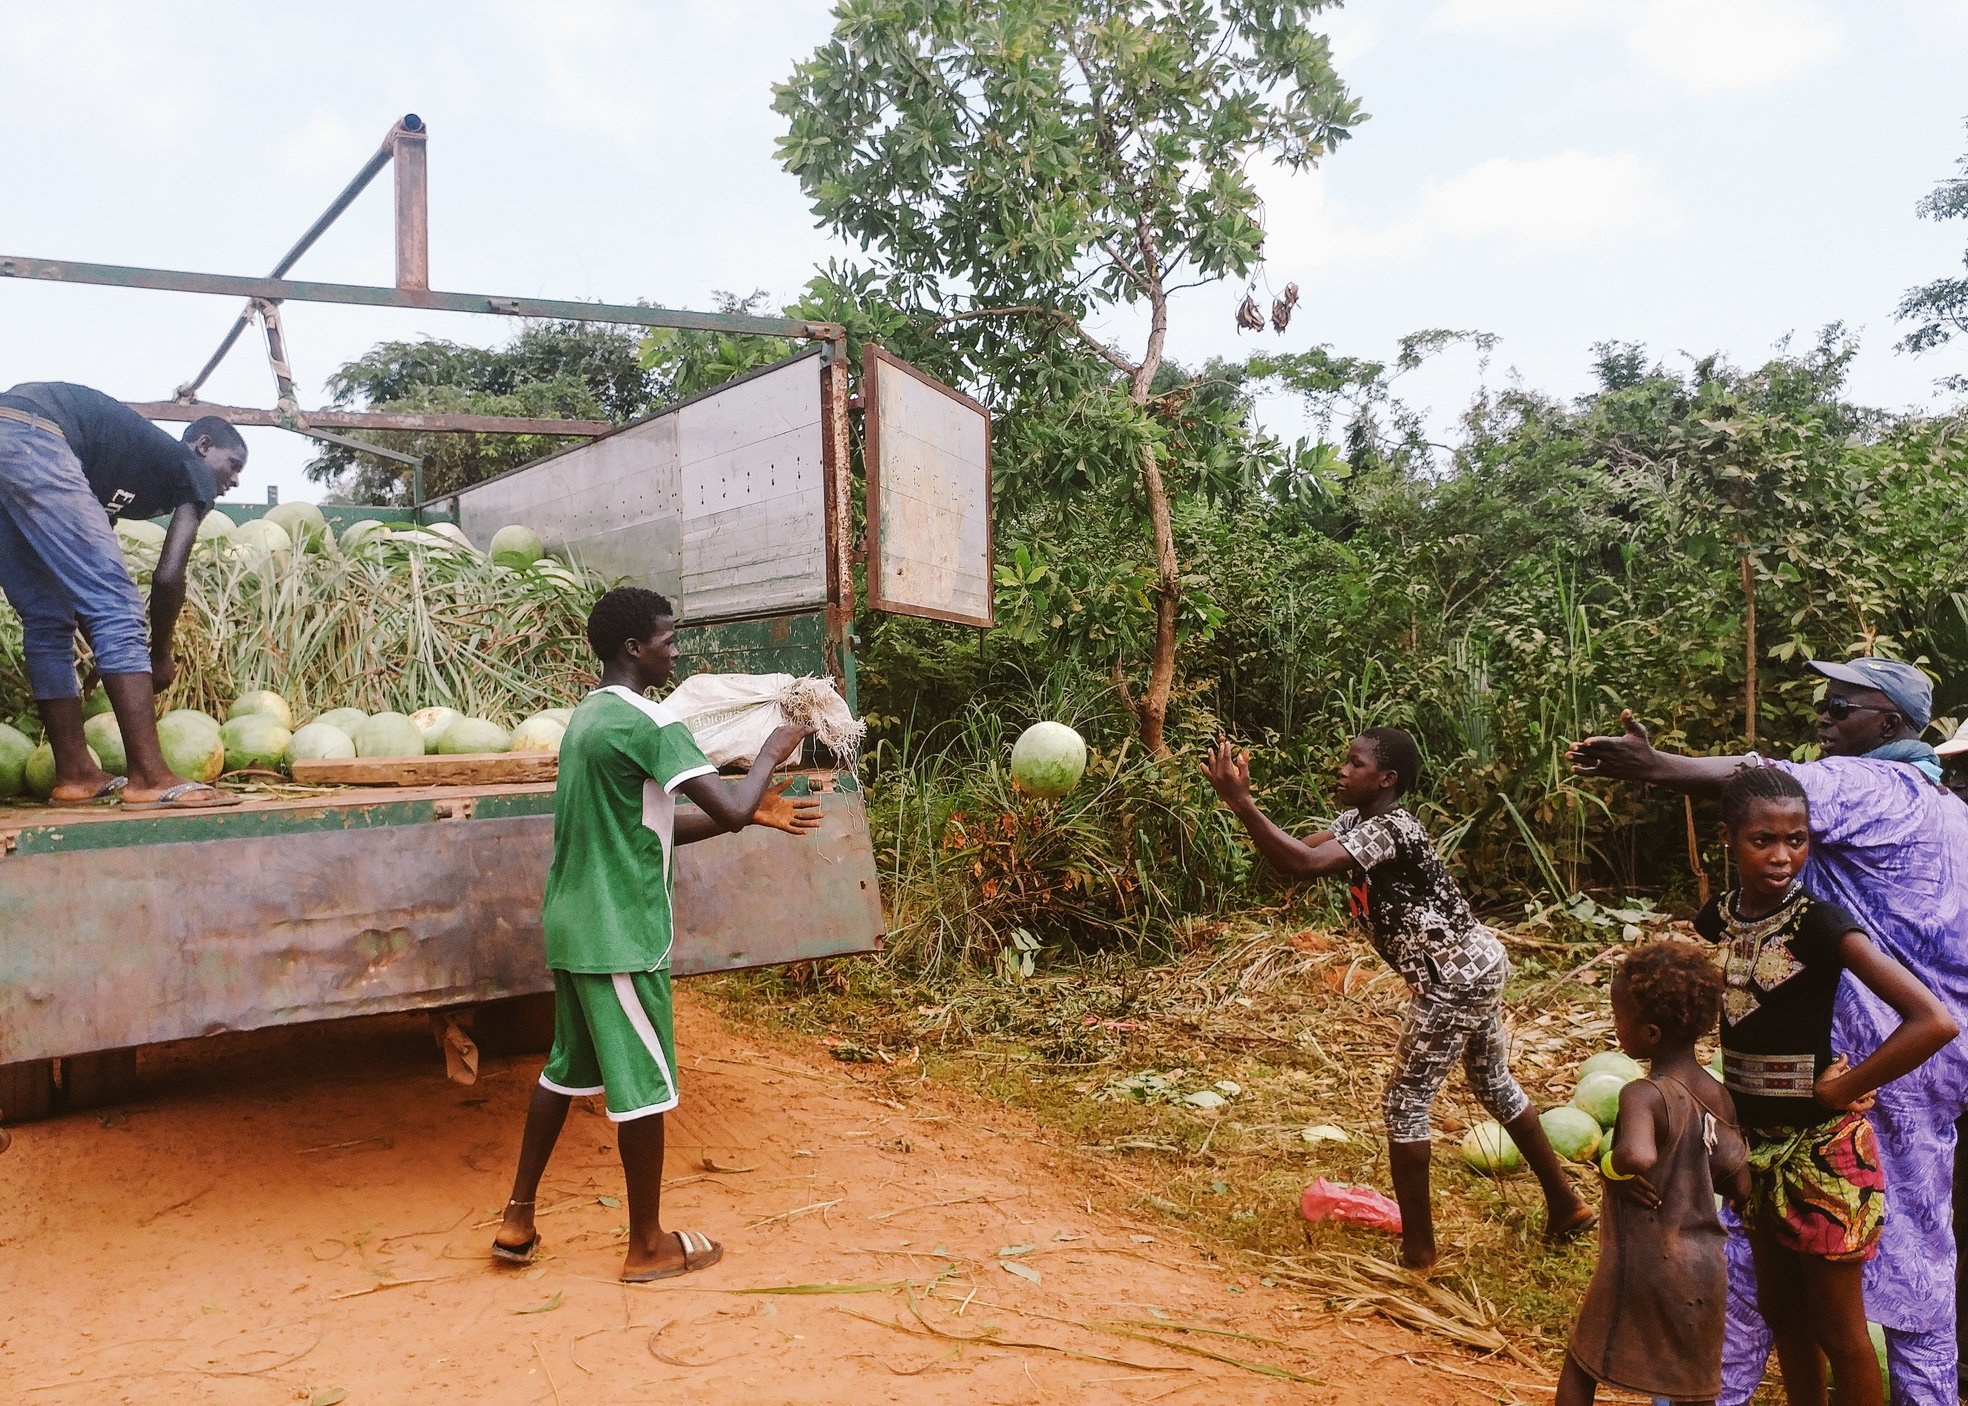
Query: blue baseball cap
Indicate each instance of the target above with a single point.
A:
(1910, 690)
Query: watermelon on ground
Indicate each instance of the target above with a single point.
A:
(105, 739)
(1488, 1149)
(191, 744)
(255, 741)
(263, 701)
(539, 733)
(215, 526)
(1573, 1132)
(387, 735)
(517, 546)
(320, 741)
(431, 722)
(472, 735)
(39, 773)
(1613, 1062)
(15, 748)
(304, 524)
(1048, 759)
(343, 718)
(1599, 1095)
(96, 704)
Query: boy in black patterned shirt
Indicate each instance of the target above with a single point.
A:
(1422, 927)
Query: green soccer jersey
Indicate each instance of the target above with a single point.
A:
(608, 893)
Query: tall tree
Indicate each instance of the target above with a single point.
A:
(1939, 310)
(1025, 166)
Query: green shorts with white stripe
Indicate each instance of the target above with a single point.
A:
(614, 1035)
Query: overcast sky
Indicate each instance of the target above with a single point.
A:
(1697, 175)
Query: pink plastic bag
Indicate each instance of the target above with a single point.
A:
(1356, 1205)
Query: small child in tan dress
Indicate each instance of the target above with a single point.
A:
(1652, 1317)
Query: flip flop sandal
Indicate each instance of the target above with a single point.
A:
(517, 1254)
(174, 798)
(699, 1252)
(108, 794)
(1563, 1237)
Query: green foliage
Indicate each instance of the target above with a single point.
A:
(572, 370)
(1939, 309)
(1018, 168)
(685, 363)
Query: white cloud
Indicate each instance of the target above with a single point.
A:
(1548, 202)
(1706, 47)
(1729, 46)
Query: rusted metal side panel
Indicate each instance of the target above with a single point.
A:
(108, 948)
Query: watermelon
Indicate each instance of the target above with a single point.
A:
(304, 524)
(343, 718)
(139, 532)
(1612, 1062)
(1573, 1132)
(563, 716)
(191, 744)
(96, 704)
(470, 735)
(363, 531)
(1599, 1095)
(1048, 760)
(255, 741)
(431, 722)
(261, 538)
(320, 741)
(105, 739)
(517, 546)
(387, 735)
(1487, 1148)
(39, 772)
(560, 575)
(263, 701)
(215, 525)
(451, 533)
(539, 733)
(15, 748)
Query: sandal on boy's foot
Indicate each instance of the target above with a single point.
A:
(699, 1252)
(517, 1254)
(187, 795)
(107, 794)
(1572, 1232)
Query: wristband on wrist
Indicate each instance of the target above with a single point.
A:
(1606, 1167)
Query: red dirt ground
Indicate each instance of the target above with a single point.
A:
(288, 1214)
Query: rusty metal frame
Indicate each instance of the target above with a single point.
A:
(871, 358)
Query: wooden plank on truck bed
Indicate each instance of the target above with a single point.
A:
(466, 769)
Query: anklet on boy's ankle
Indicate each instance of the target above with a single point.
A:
(516, 1202)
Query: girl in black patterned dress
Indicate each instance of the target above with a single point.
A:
(1422, 927)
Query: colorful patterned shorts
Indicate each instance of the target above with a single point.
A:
(1819, 1190)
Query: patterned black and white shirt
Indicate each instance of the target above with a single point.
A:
(1420, 922)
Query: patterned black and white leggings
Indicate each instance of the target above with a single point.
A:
(1443, 1022)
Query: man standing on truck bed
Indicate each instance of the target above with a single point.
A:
(72, 461)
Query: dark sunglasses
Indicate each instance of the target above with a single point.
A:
(1839, 709)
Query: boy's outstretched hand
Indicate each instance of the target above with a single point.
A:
(778, 811)
(1228, 771)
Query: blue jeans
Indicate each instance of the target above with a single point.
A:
(60, 565)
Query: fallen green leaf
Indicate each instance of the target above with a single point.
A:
(548, 1307)
(334, 1396)
(609, 1201)
(1023, 1271)
(1007, 1251)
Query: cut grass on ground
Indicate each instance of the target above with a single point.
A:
(1291, 1031)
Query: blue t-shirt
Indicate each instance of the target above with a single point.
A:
(134, 469)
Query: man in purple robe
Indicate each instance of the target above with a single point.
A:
(1890, 845)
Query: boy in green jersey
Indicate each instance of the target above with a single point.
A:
(607, 918)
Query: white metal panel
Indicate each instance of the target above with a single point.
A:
(754, 496)
(613, 505)
(719, 503)
(935, 506)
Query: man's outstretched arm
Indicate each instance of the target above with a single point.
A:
(1632, 757)
(796, 815)
(1229, 774)
(730, 805)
